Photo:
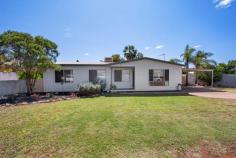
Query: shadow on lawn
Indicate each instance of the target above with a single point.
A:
(146, 94)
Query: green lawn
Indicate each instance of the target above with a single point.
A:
(115, 126)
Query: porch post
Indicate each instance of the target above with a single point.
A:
(212, 78)
(111, 80)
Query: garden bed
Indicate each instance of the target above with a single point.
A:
(23, 99)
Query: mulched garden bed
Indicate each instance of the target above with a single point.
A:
(23, 99)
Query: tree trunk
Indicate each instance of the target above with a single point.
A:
(28, 85)
(187, 66)
(30, 82)
(196, 80)
(187, 78)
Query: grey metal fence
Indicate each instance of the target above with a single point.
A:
(18, 86)
(228, 80)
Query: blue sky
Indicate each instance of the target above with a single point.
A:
(92, 29)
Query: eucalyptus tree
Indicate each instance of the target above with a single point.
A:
(29, 55)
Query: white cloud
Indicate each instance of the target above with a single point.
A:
(148, 48)
(197, 46)
(159, 46)
(67, 32)
(86, 54)
(223, 3)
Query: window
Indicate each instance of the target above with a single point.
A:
(97, 75)
(68, 75)
(118, 75)
(125, 75)
(92, 76)
(64, 76)
(101, 75)
(58, 76)
(158, 77)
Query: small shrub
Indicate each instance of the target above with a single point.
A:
(113, 87)
(88, 89)
(103, 84)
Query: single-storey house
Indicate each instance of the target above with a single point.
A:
(146, 74)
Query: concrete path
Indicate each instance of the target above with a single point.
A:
(220, 95)
(209, 92)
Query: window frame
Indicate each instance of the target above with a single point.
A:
(160, 78)
(58, 76)
(119, 79)
(63, 78)
(101, 77)
(97, 76)
(125, 75)
(70, 75)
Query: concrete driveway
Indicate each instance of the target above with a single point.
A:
(221, 95)
(210, 93)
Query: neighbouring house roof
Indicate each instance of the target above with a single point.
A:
(100, 63)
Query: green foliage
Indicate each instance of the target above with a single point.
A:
(130, 52)
(219, 69)
(116, 58)
(201, 58)
(176, 61)
(102, 83)
(139, 56)
(2, 59)
(89, 89)
(188, 55)
(30, 56)
(22, 76)
(207, 76)
(230, 67)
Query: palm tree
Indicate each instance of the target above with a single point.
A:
(139, 55)
(201, 59)
(187, 57)
(130, 52)
(175, 61)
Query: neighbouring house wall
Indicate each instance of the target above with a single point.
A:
(12, 87)
(80, 74)
(18, 86)
(6, 76)
(38, 87)
(142, 74)
(228, 80)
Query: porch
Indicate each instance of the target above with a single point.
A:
(122, 78)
